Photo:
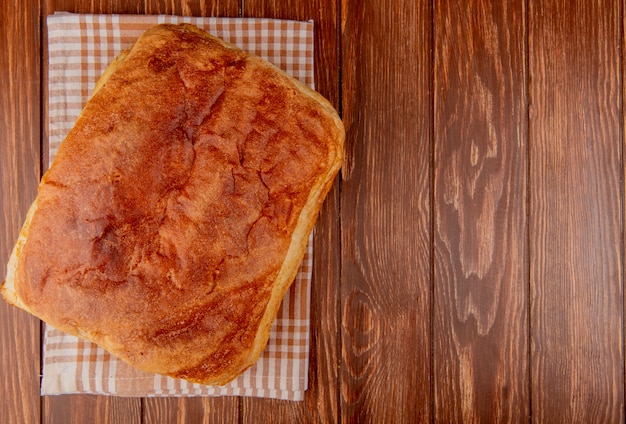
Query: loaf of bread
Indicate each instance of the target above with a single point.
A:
(178, 208)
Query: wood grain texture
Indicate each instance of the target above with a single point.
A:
(385, 212)
(19, 175)
(228, 8)
(93, 6)
(320, 403)
(480, 162)
(79, 409)
(191, 410)
(168, 7)
(575, 214)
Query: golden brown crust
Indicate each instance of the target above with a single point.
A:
(178, 208)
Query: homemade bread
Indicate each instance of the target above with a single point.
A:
(177, 210)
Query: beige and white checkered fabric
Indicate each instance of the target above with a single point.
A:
(80, 48)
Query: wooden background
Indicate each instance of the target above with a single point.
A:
(469, 259)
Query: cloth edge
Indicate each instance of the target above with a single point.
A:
(62, 14)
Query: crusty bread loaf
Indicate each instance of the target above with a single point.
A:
(177, 210)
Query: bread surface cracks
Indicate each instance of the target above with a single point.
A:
(190, 135)
(173, 208)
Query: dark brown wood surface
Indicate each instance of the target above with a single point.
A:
(480, 156)
(469, 259)
(386, 212)
(576, 218)
(20, 121)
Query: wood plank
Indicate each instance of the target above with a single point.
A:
(79, 409)
(385, 211)
(19, 175)
(480, 158)
(320, 404)
(576, 271)
(193, 8)
(191, 410)
(170, 7)
(92, 6)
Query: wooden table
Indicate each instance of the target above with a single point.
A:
(469, 259)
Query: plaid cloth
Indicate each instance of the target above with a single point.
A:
(80, 47)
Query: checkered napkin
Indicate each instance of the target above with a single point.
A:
(80, 47)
